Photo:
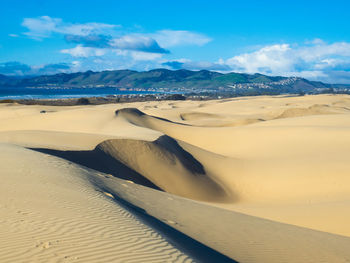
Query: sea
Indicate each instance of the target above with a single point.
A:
(16, 93)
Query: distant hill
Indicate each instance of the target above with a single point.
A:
(174, 80)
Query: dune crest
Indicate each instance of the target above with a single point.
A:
(166, 164)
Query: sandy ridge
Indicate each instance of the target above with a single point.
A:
(281, 164)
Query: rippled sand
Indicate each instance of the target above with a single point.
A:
(257, 179)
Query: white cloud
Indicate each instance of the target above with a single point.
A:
(84, 52)
(323, 50)
(44, 26)
(309, 74)
(99, 39)
(41, 27)
(15, 68)
(315, 60)
(171, 38)
(137, 43)
(270, 59)
(136, 55)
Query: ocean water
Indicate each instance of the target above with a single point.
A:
(60, 93)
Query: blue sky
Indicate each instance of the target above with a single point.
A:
(310, 39)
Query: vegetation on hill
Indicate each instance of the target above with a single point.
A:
(174, 80)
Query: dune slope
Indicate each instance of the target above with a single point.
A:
(51, 213)
(269, 175)
(165, 163)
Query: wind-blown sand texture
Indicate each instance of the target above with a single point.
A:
(257, 179)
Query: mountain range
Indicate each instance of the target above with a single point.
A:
(174, 81)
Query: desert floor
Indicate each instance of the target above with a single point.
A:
(250, 179)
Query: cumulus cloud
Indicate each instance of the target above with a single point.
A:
(44, 26)
(270, 59)
(15, 68)
(138, 47)
(315, 60)
(118, 48)
(138, 43)
(90, 38)
(101, 35)
(171, 38)
(101, 40)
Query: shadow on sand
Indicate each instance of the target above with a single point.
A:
(96, 160)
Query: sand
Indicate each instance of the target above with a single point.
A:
(50, 213)
(257, 179)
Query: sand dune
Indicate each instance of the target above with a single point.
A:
(165, 163)
(315, 109)
(258, 179)
(162, 164)
(71, 216)
(51, 213)
(288, 183)
(244, 238)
